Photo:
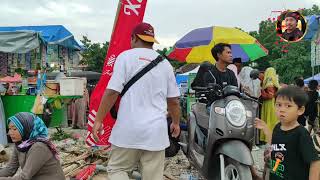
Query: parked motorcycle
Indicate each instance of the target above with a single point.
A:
(220, 134)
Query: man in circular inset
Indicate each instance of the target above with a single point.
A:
(292, 33)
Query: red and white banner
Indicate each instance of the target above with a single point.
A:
(129, 14)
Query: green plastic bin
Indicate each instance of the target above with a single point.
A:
(24, 103)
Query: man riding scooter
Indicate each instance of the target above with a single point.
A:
(218, 74)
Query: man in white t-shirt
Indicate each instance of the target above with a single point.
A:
(140, 134)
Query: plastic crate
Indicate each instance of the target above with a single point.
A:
(72, 86)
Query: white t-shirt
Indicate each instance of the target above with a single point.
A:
(142, 122)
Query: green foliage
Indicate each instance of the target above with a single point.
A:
(293, 62)
(314, 10)
(93, 55)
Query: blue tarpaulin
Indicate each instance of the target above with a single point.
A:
(313, 26)
(51, 34)
(315, 77)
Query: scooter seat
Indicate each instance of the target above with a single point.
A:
(202, 117)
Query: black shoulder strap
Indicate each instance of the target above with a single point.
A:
(141, 73)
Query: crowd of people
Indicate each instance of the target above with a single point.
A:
(264, 85)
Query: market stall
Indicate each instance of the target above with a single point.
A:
(313, 35)
(27, 55)
(187, 94)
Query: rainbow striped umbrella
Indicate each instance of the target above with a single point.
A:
(195, 47)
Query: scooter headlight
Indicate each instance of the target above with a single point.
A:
(236, 113)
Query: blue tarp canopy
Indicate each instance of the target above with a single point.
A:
(313, 26)
(51, 34)
(315, 77)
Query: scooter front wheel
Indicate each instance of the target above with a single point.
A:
(236, 171)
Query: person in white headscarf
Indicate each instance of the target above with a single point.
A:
(234, 69)
(249, 85)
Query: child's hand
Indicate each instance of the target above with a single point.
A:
(267, 153)
(259, 124)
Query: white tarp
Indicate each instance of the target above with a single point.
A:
(19, 41)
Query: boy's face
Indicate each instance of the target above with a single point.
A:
(287, 110)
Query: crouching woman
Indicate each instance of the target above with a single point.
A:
(33, 152)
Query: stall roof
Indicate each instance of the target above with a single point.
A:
(18, 42)
(51, 34)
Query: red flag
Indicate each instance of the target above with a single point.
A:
(129, 14)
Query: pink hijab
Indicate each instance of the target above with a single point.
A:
(234, 68)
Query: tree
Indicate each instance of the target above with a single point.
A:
(294, 63)
(93, 54)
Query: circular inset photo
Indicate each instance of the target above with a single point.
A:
(291, 26)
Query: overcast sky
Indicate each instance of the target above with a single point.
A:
(170, 18)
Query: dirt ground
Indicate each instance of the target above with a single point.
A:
(74, 147)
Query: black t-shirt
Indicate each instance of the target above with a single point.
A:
(293, 36)
(312, 107)
(295, 152)
(204, 77)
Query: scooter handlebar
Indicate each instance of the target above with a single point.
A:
(198, 88)
(244, 96)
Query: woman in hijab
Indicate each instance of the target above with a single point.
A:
(250, 86)
(33, 152)
(270, 86)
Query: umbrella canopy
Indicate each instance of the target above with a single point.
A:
(195, 47)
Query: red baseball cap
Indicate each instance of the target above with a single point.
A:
(145, 32)
(294, 15)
